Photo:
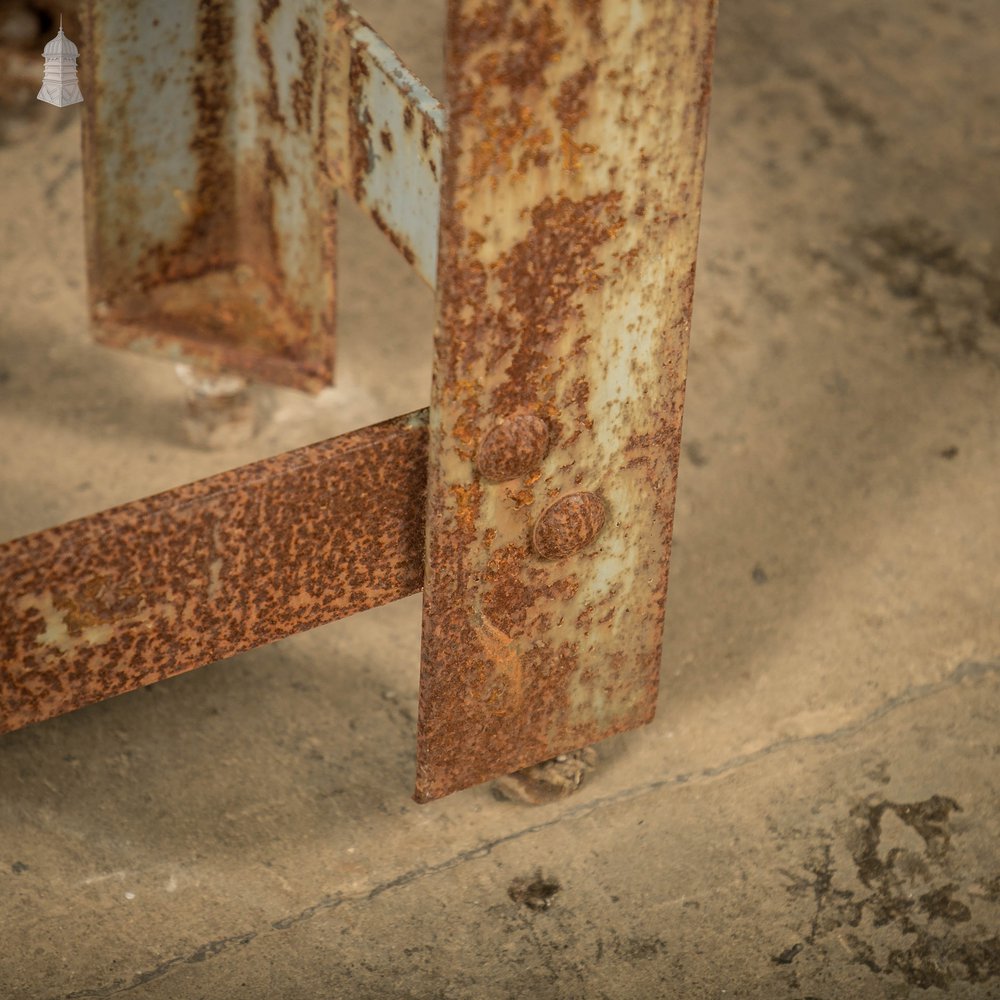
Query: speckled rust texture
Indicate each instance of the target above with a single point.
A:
(201, 246)
(569, 225)
(102, 605)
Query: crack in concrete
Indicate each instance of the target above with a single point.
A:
(966, 671)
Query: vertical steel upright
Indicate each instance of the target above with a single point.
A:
(569, 223)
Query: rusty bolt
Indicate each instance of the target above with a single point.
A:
(568, 524)
(513, 447)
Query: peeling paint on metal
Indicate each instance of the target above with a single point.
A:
(210, 198)
(569, 222)
(395, 149)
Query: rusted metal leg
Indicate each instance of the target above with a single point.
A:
(215, 142)
(569, 222)
(210, 158)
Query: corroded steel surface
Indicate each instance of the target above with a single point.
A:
(100, 606)
(569, 221)
(395, 148)
(211, 135)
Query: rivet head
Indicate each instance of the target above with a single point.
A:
(568, 524)
(513, 447)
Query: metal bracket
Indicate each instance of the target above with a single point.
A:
(395, 149)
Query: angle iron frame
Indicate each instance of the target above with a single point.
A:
(555, 211)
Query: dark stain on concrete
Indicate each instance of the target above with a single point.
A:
(695, 454)
(953, 298)
(941, 903)
(929, 819)
(788, 955)
(844, 111)
(534, 891)
(991, 889)
(926, 938)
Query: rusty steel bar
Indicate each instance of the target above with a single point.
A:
(211, 134)
(395, 148)
(108, 603)
(569, 222)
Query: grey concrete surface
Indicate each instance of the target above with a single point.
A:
(814, 813)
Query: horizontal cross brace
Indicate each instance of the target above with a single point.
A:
(111, 602)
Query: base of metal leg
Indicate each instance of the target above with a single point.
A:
(220, 410)
(552, 779)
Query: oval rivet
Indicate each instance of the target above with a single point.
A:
(568, 524)
(513, 447)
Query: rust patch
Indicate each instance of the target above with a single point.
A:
(207, 242)
(522, 498)
(513, 447)
(394, 238)
(557, 255)
(590, 10)
(512, 139)
(568, 525)
(572, 153)
(574, 96)
(302, 88)
(100, 606)
(534, 42)
(211, 88)
(386, 138)
(215, 290)
(360, 152)
(513, 584)
(272, 175)
(268, 100)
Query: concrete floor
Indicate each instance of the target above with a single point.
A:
(814, 813)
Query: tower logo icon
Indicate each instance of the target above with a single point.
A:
(59, 84)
